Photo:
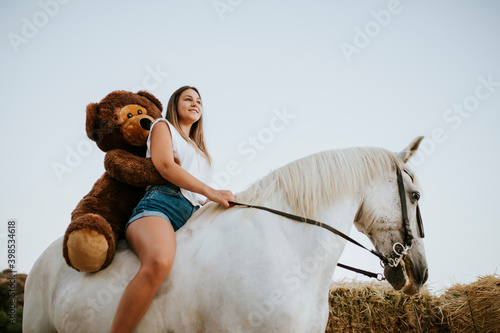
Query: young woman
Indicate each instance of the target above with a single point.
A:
(164, 209)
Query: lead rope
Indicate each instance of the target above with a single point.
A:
(297, 218)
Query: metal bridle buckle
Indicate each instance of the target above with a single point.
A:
(403, 251)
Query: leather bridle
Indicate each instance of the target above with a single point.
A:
(399, 250)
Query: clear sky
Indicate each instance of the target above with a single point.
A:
(279, 80)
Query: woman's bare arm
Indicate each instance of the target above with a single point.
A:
(162, 155)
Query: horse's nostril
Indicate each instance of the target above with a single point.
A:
(145, 123)
(426, 276)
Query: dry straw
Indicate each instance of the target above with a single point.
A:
(376, 307)
(474, 307)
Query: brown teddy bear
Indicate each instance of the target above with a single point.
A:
(119, 124)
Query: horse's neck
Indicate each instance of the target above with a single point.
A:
(319, 247)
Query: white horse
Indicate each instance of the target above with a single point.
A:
(243, 270)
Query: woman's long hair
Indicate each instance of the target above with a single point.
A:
(196, 132)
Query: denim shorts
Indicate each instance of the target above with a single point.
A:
(164, 201)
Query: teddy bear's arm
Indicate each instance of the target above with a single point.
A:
(131, 169)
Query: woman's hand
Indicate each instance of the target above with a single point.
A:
(221, 196)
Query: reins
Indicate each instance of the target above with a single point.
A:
(297, 218)
(399, 250)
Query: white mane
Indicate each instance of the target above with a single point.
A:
(317, 180)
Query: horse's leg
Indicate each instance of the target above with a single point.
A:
(153, 239)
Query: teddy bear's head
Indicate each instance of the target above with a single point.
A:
(122, 119)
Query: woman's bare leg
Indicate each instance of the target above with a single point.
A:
(153, 239)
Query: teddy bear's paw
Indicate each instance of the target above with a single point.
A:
(87, 250)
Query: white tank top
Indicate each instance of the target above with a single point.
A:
(191, 160)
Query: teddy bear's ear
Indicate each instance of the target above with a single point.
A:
(152, 98)
(90, 124)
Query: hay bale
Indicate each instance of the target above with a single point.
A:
(474, 307)
(377, 307)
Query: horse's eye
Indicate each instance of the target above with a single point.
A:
(416, 196)
(129, 115)
(139, 112)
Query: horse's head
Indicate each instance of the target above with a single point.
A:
(380, 217)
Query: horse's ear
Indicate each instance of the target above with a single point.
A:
(412, 148)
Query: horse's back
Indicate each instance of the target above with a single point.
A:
(61, 299)
(228, 276)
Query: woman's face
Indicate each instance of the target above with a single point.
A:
(189, 107)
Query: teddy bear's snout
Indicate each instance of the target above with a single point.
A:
(145, 123)
(136, 129)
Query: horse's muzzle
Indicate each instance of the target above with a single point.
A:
(409, 276)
